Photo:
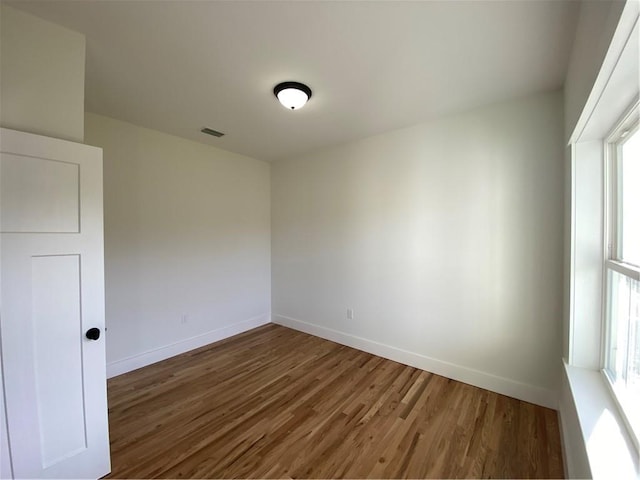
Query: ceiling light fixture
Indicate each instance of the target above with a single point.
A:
(293, 95)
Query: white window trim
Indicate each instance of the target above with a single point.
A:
(623, 419)
(606, 441)
(623, 268)
(627, 123)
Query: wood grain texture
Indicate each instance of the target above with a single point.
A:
(277, 403)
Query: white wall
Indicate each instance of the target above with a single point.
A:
(42, 76)
(445, 238)
(187, 232)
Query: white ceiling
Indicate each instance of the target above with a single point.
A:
(373, 66)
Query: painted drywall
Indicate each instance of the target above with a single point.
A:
(187, 242)
(445, 239)
(42, 76)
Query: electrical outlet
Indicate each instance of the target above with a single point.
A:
(349, 313)
(184, 318)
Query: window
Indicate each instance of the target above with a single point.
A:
(622, 270)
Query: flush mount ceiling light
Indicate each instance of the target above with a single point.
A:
(293, 95)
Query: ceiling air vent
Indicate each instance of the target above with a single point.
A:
(210, 131)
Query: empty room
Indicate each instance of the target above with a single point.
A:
(320, 239)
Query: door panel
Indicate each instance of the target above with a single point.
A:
(55, 300)
(52, 291)
(39, 195)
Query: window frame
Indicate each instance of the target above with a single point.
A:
(625, 127)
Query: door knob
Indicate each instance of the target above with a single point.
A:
(93, 333)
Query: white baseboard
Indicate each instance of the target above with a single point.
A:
(162, 353)
(504, 386)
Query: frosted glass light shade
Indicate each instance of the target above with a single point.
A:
(292, 95)
(292, 98)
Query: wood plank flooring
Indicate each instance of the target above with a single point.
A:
(277, 403)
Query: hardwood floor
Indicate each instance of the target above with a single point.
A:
(274, 402)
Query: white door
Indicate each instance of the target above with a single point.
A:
(51, 294)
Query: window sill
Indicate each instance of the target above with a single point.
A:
(610, 451)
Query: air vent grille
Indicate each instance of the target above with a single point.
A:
(210, 131)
